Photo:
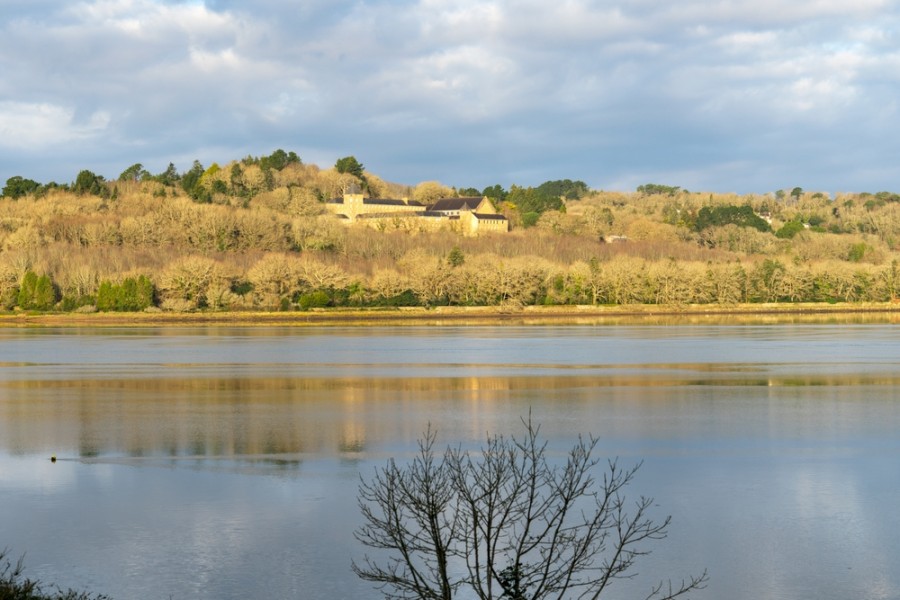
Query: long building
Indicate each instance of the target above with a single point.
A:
(468, 216)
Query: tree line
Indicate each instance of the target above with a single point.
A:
(251, 176)
(255, 234)
(284, 281)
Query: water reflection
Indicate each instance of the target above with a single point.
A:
(270, 417)
(218, 464)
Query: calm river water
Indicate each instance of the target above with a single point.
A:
(220, 463)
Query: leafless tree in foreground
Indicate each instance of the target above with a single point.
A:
(506, 523)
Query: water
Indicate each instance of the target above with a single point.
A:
(224, 463)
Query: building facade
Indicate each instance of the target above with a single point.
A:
(468, 216)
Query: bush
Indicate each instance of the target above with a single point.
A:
(529, 219)
(9, 298)
(742, 216)
(316, 299)
(404, 298)
(789, 230)
(73, 303)
(857, 252)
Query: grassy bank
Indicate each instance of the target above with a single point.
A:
(451, 315)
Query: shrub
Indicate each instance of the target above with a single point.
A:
(789, 230)
(529, 219)
(742, 216)
(73, 303)
(316, 299)
(857, 252)
(404, 298)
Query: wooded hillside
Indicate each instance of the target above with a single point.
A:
(254, 234)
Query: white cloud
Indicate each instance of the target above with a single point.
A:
(210, 62)
(766, 13)
(502, 84)
(40, 126)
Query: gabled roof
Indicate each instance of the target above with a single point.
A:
(489, 217)
(445, 204)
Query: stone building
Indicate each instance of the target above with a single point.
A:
(468, 216)
(353, 205)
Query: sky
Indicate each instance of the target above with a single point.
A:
(708, 95)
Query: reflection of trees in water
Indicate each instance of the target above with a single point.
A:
(226, 417)
(268, 417)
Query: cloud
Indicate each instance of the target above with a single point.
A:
(41, 126)
(719, 93)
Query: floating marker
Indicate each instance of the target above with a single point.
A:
(53, 458)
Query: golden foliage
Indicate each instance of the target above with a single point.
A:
(276, 236)
(185, 282)
(643, 229)
(387, 283)
(274, 276)
(428, 192)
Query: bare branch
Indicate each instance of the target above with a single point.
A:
(507, 523)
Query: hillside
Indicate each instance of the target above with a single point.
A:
(255, 234)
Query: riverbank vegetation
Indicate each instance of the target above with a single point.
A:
(15, 586)
(254, 234)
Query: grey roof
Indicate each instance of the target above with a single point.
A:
(383, 202)
(489, 217)
(391, 202)
(386, 215)
(444, 204)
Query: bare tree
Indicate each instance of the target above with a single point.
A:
(506, 523)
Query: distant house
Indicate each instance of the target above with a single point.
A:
(477, 222)
(469, 216)
(455, 206)
(353, 205)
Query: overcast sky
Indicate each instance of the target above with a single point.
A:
(709, 95)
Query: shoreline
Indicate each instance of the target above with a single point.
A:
(475, 316)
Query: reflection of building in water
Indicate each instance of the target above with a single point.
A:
(207, 417)
(274, 416)
(353, 436)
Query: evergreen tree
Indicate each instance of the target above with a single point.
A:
(18, 186)
(36, 292)
(88, 182)
(190, 181)
(132, 295)
(350, 165)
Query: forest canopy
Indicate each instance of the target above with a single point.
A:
(255, 234)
